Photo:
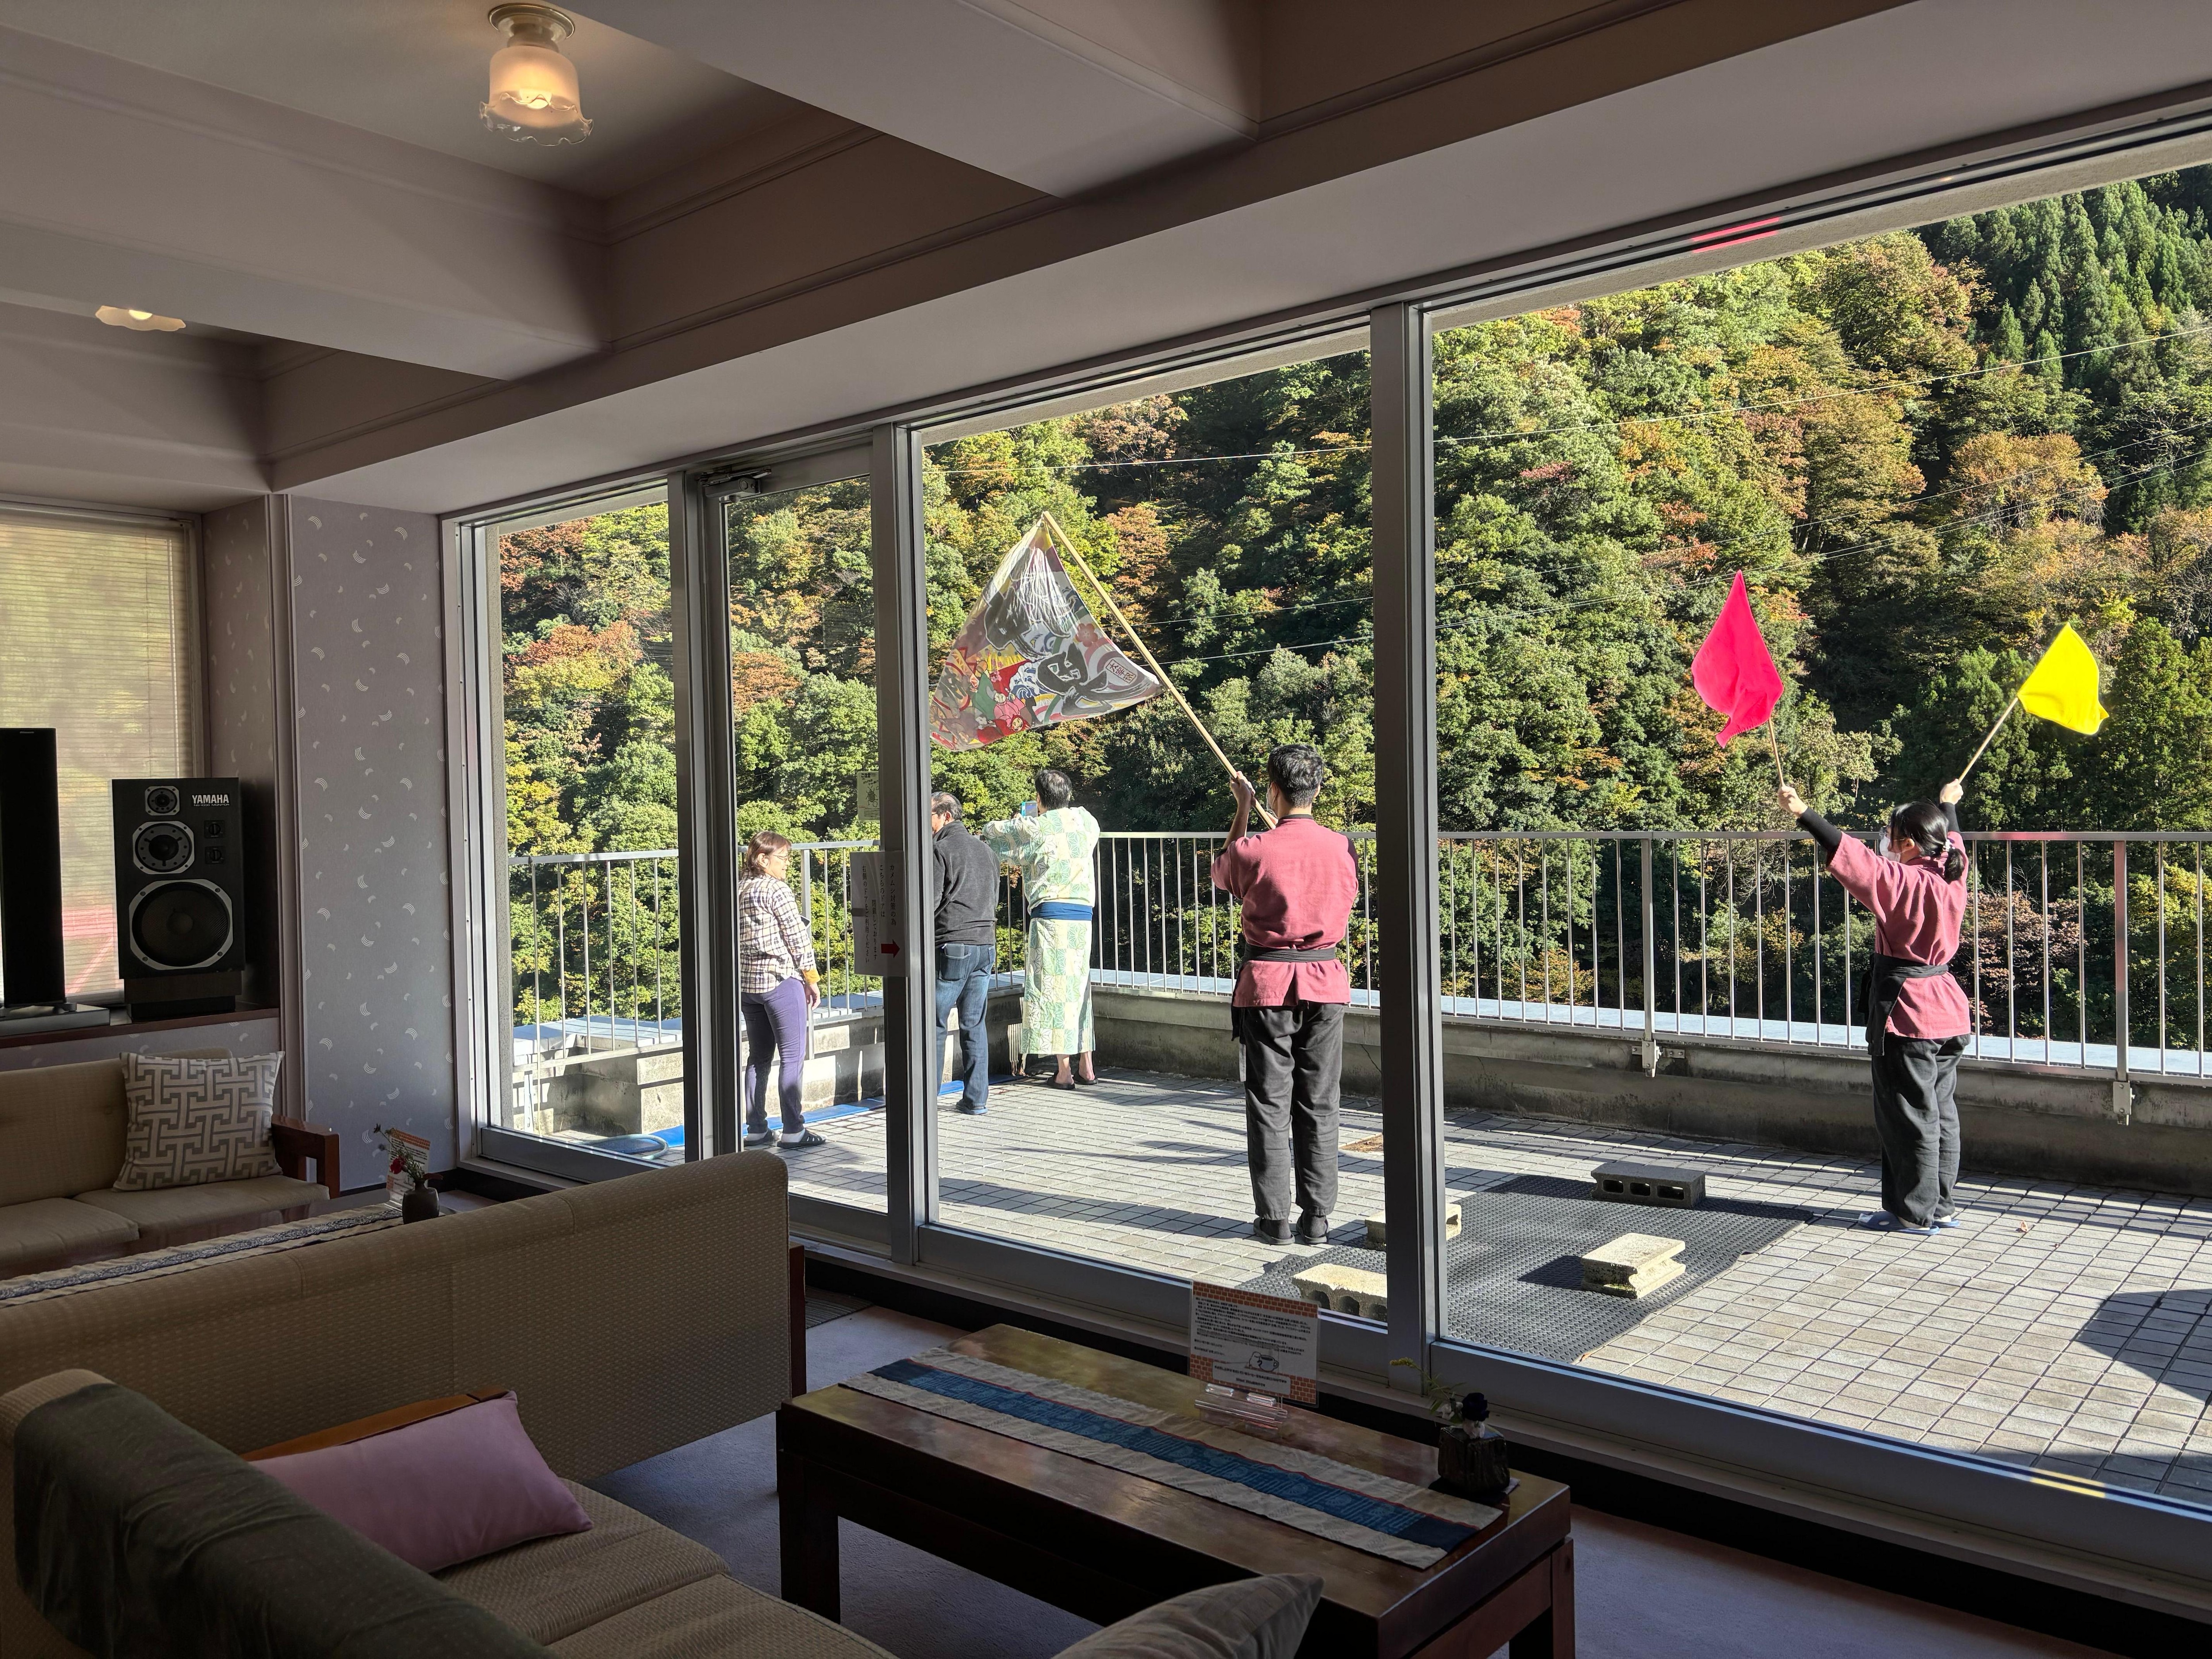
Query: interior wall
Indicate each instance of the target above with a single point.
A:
(367, 664)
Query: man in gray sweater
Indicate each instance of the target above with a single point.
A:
(964, 894)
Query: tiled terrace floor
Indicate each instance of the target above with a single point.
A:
(2068, 1327)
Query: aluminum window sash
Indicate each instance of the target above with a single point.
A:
(2120, 1536)
(1352, 1347)
(476, 838)
(706, 830)
(1405, 946)
(902, 784)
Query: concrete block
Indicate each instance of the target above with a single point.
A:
(1631, 1265)
(1377, 1228)
(1648, 1183)
(1345, 1289)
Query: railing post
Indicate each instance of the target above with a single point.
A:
(1406, 830)
(2123, 1094)
(1650, 1049)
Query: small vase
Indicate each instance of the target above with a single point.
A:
(418, 1203)
(1471, 1456)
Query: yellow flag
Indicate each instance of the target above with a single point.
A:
(2063, 686)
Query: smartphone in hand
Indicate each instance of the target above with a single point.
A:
(1028, 809)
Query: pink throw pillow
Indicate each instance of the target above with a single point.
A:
(439, 1492)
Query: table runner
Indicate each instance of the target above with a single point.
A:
(176, 1258)
(1356, 1507)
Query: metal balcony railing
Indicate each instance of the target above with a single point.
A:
(2083, 951)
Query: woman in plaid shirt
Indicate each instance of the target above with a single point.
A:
(777, 986)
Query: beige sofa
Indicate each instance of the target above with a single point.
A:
(61, 1147)
(629, 1317)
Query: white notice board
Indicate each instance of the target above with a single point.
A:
(1263, 1344)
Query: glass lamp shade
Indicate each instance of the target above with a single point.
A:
(144, 322)
(534, 98)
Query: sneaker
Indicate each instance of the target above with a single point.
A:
(1272, 1232)
(1949, 1219)
(1881, 1221)
(761, 1137)
(804, 1137)
(1313, 1228)
(966, 1110)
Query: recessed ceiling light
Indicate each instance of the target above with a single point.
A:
(143, 321)
(534, 97)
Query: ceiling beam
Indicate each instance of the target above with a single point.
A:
(124, 185)
(1059, 96)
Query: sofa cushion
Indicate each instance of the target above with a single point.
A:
(492, 1490)
(63, 1127)
(193, 1121)
(1245, 1619)
(192, 1207)
(137, 1534)
(54, 1227)
(716, 1618)
(555, 1587)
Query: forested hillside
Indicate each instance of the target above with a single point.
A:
(1927, 451)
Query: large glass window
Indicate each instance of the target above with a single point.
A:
(596, 1008)
(101, 643)
(803, 697)
(1924, 452)
(1216, 538)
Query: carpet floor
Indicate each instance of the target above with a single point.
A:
(1641, 1593)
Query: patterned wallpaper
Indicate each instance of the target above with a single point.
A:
(368, 673)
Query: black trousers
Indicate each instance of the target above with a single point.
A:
(1293, 1086)
(1916, 1114)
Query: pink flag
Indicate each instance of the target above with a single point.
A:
(1733, 671)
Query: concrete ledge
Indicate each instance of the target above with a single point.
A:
(2016, 1121)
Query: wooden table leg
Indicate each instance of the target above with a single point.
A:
(1551, 1633)
(807, 1517)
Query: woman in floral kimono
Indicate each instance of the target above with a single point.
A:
(1049, 844)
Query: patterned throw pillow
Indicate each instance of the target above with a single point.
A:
(194, 1120)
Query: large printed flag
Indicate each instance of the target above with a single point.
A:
(2062, 688)
(1032, 654)
(1733, 671)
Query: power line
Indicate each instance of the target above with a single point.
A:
(1995, 367)
(2160, 436)
(1467, 621)
(1613, 421)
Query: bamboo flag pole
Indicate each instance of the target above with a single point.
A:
(1068, 547)
(1775, 744)
(1991, 736)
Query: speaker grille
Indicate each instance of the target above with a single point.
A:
(180, 925)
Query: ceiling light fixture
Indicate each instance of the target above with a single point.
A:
(534, 97)
(143, 321)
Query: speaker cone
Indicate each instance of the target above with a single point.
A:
(162, 849)
(180, 925)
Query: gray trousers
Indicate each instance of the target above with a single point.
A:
(1293, 1086)
(1916, 1114)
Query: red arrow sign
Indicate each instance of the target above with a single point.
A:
(891, 947)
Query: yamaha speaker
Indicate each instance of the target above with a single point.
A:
(179, 895)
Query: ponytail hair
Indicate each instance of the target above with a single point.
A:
(1927, 826)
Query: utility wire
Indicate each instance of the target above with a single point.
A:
(1996, 366)
(1466, 621)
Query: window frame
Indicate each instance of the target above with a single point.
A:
(2143, 1548)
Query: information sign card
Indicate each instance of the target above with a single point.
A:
(1263, 1344)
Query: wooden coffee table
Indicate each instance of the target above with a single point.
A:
(1102, 1543)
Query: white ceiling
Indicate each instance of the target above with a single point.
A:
(415, 70)
(1928, 74)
